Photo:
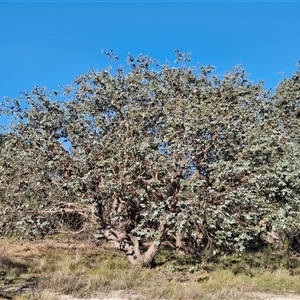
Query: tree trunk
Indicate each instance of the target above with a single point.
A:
(131, 246)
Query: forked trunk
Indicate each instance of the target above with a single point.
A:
(130, 245)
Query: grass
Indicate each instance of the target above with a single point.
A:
(42, 270)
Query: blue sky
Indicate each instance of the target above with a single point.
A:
(51, 43)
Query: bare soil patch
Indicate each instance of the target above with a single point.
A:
(123, 295)
(270, 296)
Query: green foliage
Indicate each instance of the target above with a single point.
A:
(161, 153)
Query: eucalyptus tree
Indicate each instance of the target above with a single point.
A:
(151, 154)
(284, 176)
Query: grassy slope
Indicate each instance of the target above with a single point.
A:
(39, 270)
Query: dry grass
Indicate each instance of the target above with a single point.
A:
(42, 270)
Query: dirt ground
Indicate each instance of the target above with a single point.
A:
(267, 296)
(117, 295)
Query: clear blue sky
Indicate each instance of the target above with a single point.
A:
(51, 43)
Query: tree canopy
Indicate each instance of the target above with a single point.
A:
(155, 153)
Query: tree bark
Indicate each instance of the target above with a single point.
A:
(131, 246)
